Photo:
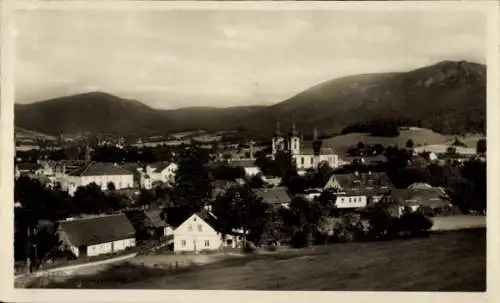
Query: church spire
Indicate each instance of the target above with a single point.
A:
(278, 132)
(294, 130)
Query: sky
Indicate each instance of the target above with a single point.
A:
(171, 59)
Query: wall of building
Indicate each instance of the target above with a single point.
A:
(196, 235)
(71, 183)
(195, 243)
(351, 201)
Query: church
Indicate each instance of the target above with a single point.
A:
(305, 157)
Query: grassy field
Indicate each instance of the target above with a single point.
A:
(420, 136)
(452, 261)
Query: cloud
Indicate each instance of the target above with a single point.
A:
(165, 58)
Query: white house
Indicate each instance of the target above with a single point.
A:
(92, 236)
(158, 172)
(101, 174)
(195, 235)
(199, 233)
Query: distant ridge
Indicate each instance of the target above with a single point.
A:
(444, 96)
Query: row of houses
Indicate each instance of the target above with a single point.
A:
(95, 235)
(106, 234)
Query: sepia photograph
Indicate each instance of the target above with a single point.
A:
(250, 147)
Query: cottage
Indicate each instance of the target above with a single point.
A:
(358, 190)
(163, 172)
(276, 196)
(92, 236)
(102, 174)
(28, 168)
(420, 196)
(196, 234)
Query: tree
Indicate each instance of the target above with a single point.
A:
(409, 143)
(481, 146)
(91, 199)
(192, 187)
(256, 182)
(303, 219)
(111, 186)
(146, 198)
(241, 209)
(227, 172)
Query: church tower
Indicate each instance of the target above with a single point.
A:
(278, 140)
(317, 143)
(294, 143)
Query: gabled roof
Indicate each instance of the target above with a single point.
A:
(149, 219)
(159, 166)
(99, 169)
(95, 230)
(275, 195)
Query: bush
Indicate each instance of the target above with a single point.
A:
(413, 223)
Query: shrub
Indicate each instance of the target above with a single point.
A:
(413, 223)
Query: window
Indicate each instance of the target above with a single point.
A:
(190, 228)
(350, 200)
(229, 241)
(312, 160)
(183, 243)
(302, 160)
(207, 243)
(200, 228)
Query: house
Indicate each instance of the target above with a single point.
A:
(420, 196)
(28, 168)
(358, 190)
(247, 164)
(102, 174)
(163, 172)
(200, 232)
(92, 236)
(276, 196)
(271, 181)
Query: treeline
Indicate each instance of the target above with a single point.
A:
(447, 125)
(379, 127)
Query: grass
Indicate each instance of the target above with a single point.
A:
(451, 261)
(419, 137)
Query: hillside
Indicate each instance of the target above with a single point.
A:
(29, 135)
(445, 97)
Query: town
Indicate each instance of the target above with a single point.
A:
(81, 203)
(251, 149)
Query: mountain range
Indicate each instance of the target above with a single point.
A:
(448, 97)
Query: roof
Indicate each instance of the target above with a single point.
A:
(359, 181)
(243, 163)
(275, 195)
(95, 230)
(29, 166)
(433, 197)
(150, 219)
(306, 148)
(99, 169)
(160, 166)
